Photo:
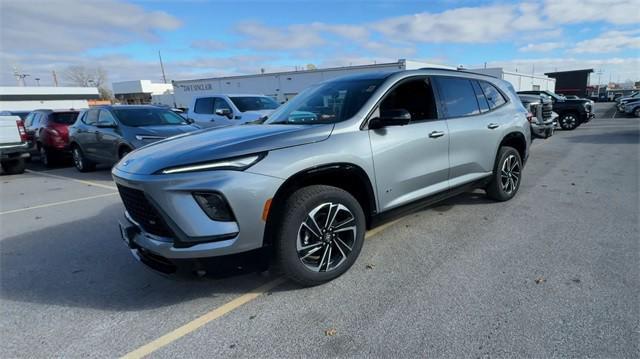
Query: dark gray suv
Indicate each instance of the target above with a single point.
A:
(105, 134)
(322, 169)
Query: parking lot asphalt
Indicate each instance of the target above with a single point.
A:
(554, 272)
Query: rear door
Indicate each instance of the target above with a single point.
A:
(107, 138)
(411, 161)
(86, 134)
(475, 113)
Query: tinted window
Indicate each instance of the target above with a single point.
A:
(29, 120)
(65, 118)
(151, 116)
(492, 94)
(91, 117)
(36, 119)
(204, 106)
(106, 117)
(415, 96)
(246, 103)
(220, 104)
(457, 96)
(329, 102)
(482, 100)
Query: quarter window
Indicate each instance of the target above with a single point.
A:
(492, 94)
(482, 100)
(204, 106)
(457, 97)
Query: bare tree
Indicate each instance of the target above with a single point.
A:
(89, 77)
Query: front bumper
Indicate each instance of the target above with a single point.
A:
(543, 130)
(14, 151)
(195, 235)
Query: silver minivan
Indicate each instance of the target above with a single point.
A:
(322, 169)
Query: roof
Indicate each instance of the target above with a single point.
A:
(568, 72)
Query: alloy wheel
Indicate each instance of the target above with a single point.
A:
(43, 156)
(510, 174)
(326, 237)
(77, 159)
(569, 121)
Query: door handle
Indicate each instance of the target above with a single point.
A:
(213, 120)
(493, 126)
(436, 134)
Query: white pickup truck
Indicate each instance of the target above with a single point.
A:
(13, 144)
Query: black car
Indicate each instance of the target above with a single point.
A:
(572, 113)
(105, 134)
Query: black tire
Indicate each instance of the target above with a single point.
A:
(340, 242)
(80, 162)
(47, 158)
(123, 152)
(13, 167)
(569, 121)
(636, 112)
(507, 175)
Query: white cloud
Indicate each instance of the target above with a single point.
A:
(608, 42)
(74, 25)
(541, 47)
(617, 12)
(259, 36)
(211, 45)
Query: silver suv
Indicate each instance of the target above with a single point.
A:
(323, 168)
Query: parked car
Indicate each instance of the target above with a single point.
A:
(631, 107)
(571, 97)
(623, 100)
(542, 117)
(572, 113)
(14, 148)
(48, 133)
(308, 186)
(224, 110)
(106, 134)
(21, 114)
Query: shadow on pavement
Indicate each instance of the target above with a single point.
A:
(631, 137)
(85, 264)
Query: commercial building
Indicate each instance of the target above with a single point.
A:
(282, 86)
(29, 98)
(520, 81)
(572, 82)
(142, 92)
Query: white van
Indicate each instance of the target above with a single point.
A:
(223, 110)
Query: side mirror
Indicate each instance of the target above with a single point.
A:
(224, 112)
(395, 117)
(106, 125)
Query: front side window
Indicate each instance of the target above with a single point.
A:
(457, 96)
(492, 94)
(221, 104)
(151, 116)
(254, 103)
(329, 102)
(204, 106)
(415, 96)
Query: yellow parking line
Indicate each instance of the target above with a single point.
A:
(57, 203)
(89, 183)
(222, 310)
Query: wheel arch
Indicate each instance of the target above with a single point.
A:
(516, 140)
(347, 176)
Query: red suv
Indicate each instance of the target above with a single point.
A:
(47, 133)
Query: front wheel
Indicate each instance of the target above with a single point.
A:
(569, 121)
(321, 234)
(507, 175)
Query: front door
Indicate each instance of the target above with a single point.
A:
(411, 161)
(107, 137)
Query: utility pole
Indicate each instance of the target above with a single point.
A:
(599, 75)
(55, 77)
(164, 77)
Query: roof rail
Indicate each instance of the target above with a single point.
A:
(457, 70)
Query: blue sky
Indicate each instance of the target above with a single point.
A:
(213, 38)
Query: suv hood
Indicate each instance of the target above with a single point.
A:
(163, 130)
(218, 143)
(254, 115)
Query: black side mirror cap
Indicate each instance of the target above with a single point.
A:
(395, 117)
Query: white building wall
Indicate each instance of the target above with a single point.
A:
(29, 98)
(44, 104)
(521, 81)
(141, 86)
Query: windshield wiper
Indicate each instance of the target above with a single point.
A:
(258, 121)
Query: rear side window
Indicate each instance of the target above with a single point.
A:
(91, 118)
(457, 97)
(204, 106)
(29, 120)
(65, 118)
(492, 94)
(482, 100)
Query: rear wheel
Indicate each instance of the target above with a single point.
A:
(13, 167)
(507, 175)
(80, 162)
(569, 121)
(46, 156)
(636, 112)
(321, 234)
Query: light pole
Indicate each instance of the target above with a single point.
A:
(599, 74)
(37, 81)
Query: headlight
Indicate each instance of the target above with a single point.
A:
(236, 164)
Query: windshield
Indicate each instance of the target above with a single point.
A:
(147, 117)
(247, 103)
(329, 102)
(65, 118)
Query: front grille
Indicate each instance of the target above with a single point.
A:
(143, 212)
(547, 110)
